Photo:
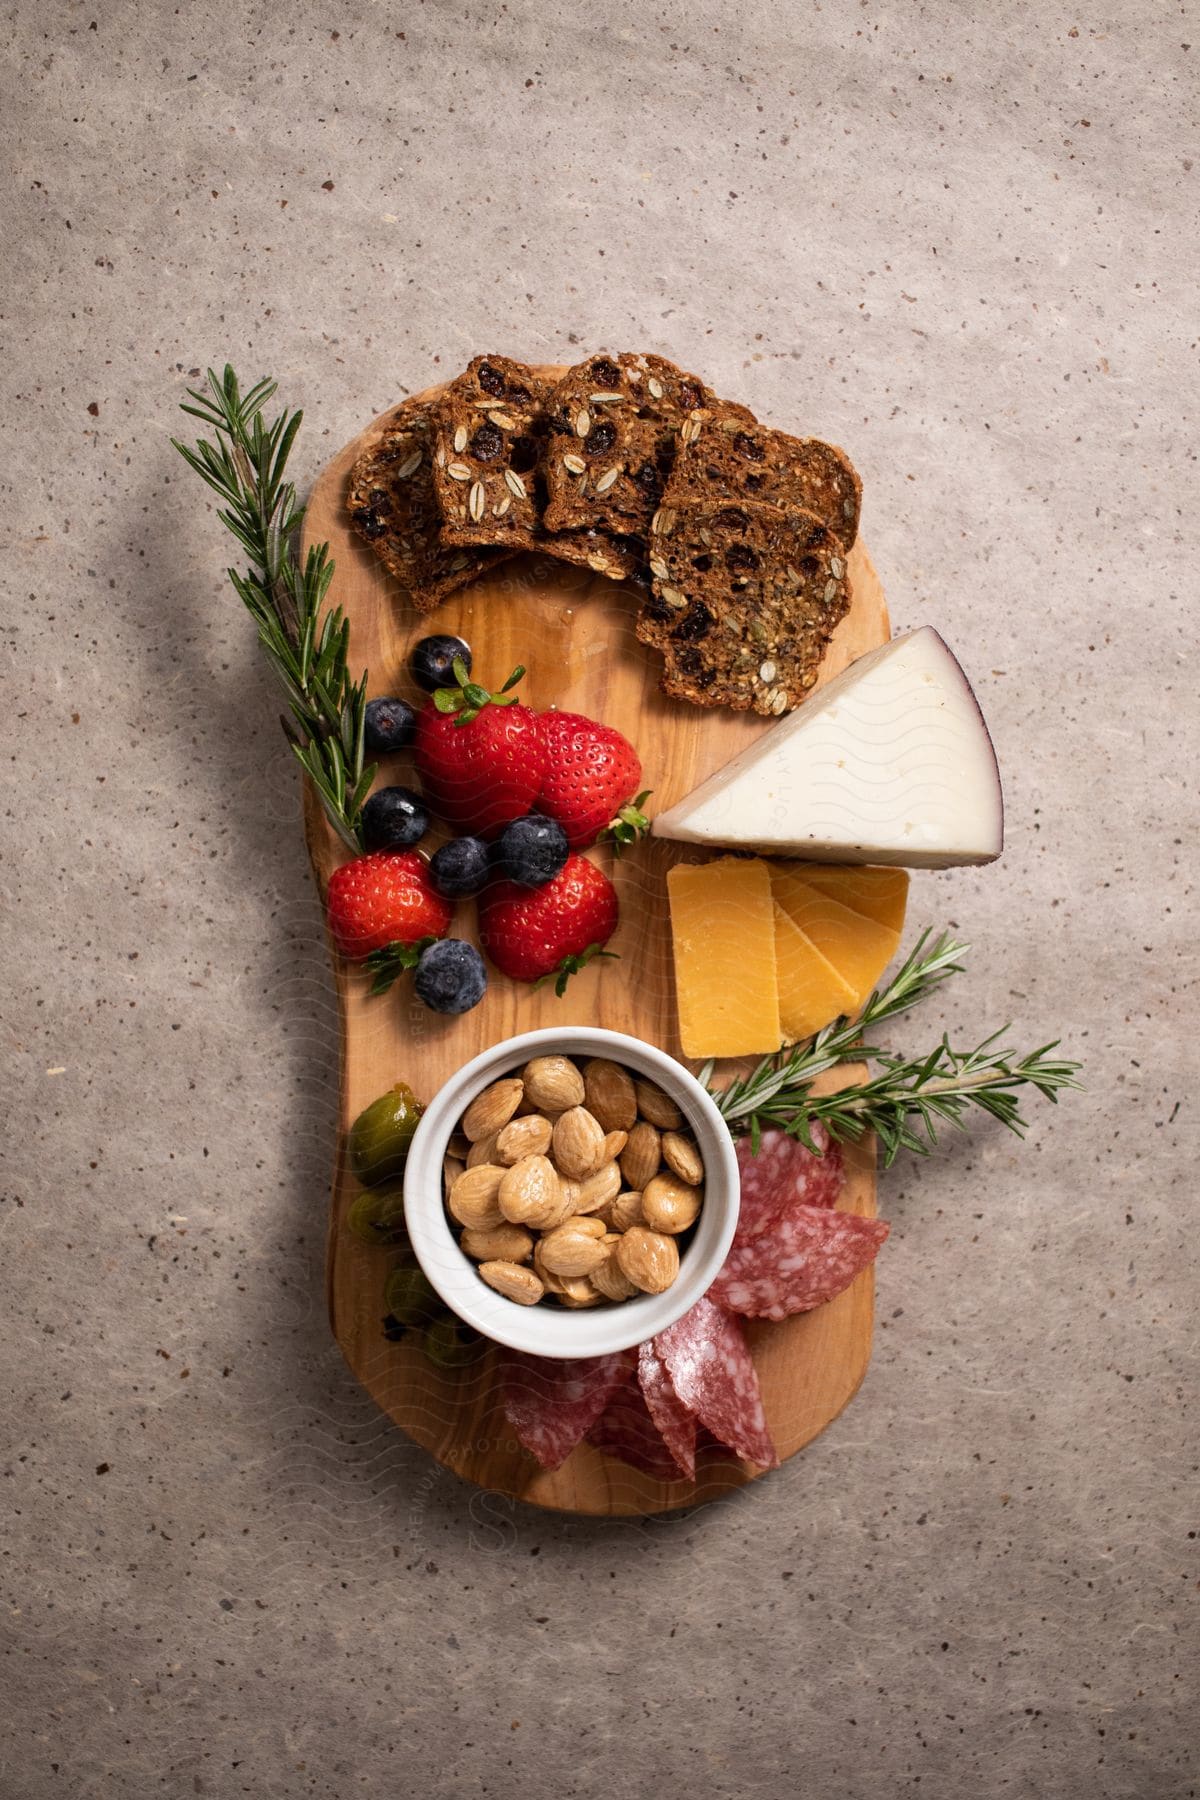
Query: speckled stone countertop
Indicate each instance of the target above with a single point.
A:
(966, 251)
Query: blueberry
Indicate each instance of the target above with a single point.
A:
(450, 976)
(394, 817)
(389, 726)
(531, 850)
(459, 868)
(433, 659)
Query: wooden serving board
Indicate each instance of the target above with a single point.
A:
(574, 632)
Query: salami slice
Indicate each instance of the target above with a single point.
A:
(804, 1259)
(705, 1355)
(785, 1174)
(626, 1430)
(552, 1403)
(675, 1423)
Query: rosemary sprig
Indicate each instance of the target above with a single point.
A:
(307, 646)
(907, 1102)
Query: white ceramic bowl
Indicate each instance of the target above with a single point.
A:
(556, 1330)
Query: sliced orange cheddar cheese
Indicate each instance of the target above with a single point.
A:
(811, 992)
(858, 946)
(723, 929)
(879, 893)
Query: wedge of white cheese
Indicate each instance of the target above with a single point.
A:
(891, 762)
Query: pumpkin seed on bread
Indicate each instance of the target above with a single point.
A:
(744, 600)
(720, 455)
(393, 506)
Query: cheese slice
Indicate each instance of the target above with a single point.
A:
(723, 932)
(890, 762)
(877, 893)
(811, 992)
(858, 948)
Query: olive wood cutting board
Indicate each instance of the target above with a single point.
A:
(574, 633)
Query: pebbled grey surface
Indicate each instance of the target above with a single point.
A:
(964, 249)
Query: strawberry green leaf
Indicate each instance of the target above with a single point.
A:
(393, 960)
(629, 825)
(571, 965)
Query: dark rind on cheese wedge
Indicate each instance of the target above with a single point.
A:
(614, 422)
(745, 598)
(393, 506)
(720, 455)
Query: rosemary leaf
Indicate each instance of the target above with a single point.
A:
(910, 1098)
(245, 464)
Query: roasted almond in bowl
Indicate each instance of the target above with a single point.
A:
(531, 1244)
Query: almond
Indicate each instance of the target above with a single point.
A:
(492, 1109)
(641, 1158)
(528, 1136)
(682, 1157)
(577, 1291)
(553, 1083)
(609, 1094)
(656, 1106)
(670, 1205)
(514, 1282)
(578, 1143)
(451, 1170)
(626, 1210)
(576, 1248)
(551, 1282)
(614, 1143)
(503, 1243)
(607, 1276)
(474, 1198)
(530, 1193)
(483, 1151)
(588, 1196)
(648, 1259)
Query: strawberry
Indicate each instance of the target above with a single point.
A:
(480, 756)
(532, 934)
(592, 776)
(381, 899)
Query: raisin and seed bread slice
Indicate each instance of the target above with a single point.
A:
(614, 421)
(491, 432)
(744, 601)
(727, 458)
(393, 506)
(491, 425)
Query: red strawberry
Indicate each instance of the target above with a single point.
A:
(480, 756)
(551, 930)
(591, 774)
(385, 898)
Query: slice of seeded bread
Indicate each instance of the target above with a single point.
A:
(613, 427)
(491, 426)
(744, 601)
(392, 503)
(619, 558)
(724, 457)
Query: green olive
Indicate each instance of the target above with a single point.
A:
(409, 1297)
(381, 1134)
(446, 1344)
(377, 1216)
